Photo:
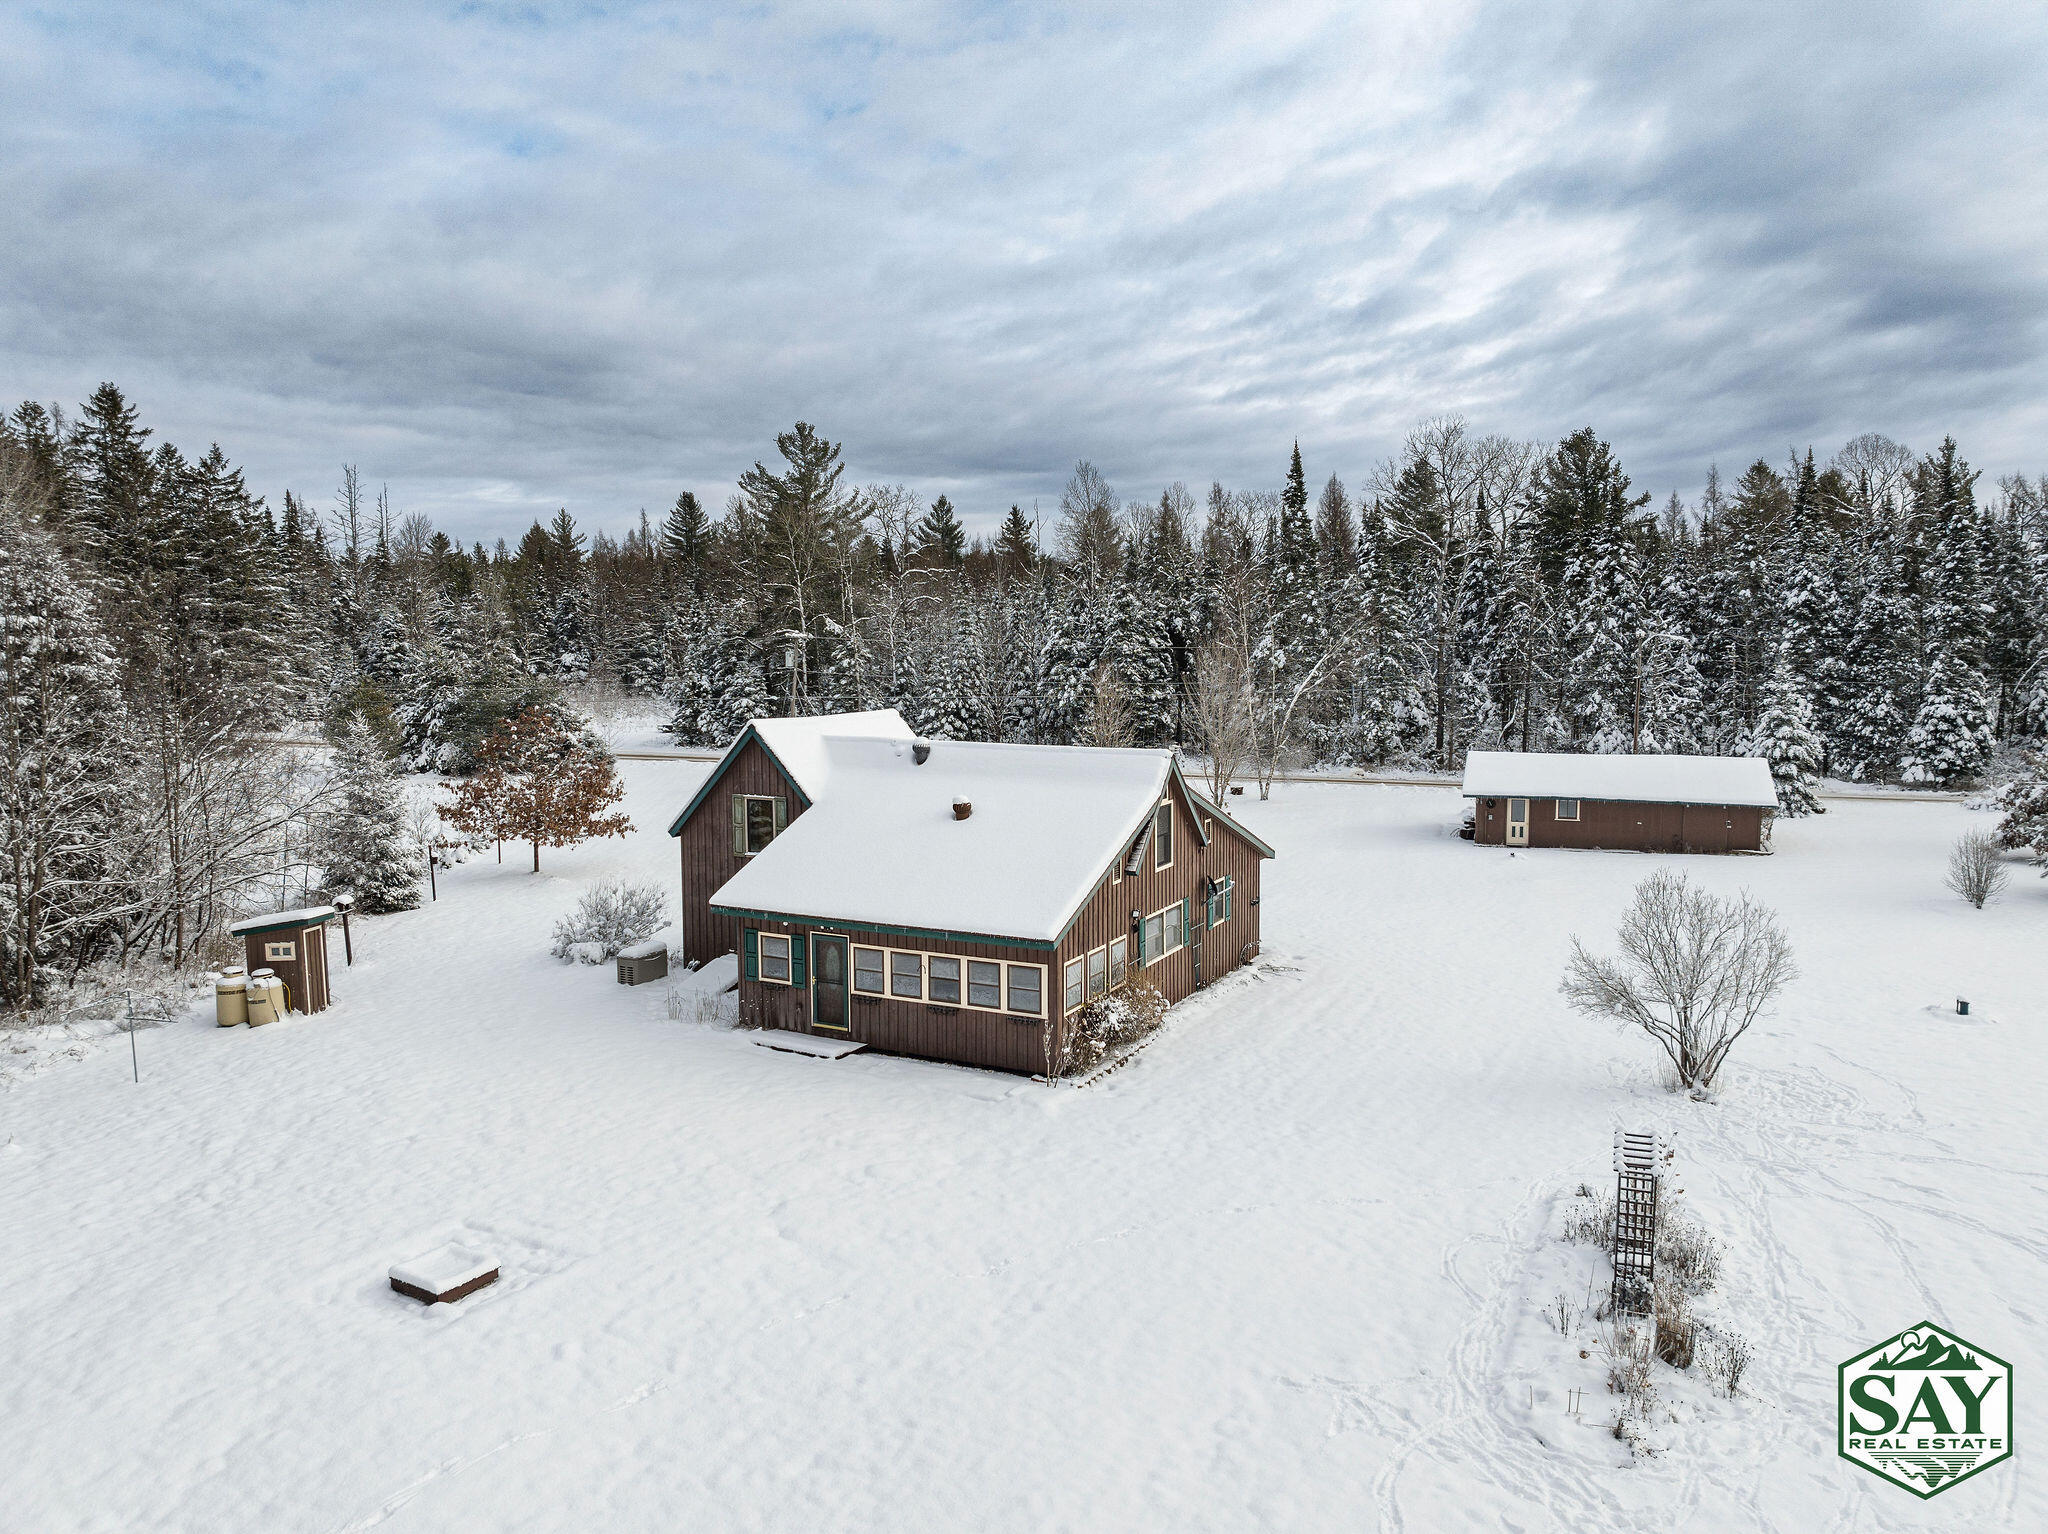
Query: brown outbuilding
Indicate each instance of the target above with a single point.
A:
(293, 946)
(1620, 803)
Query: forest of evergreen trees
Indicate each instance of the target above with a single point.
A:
(1878, 615)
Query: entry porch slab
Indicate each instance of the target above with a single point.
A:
(791, 1042)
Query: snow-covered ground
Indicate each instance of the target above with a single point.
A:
(1286, 1271)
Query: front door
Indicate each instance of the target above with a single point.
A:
(1518, 822)
(828, 983)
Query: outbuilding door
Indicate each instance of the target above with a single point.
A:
(828, 983)
(1518, 822)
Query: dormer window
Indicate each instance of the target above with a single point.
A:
(757, 819)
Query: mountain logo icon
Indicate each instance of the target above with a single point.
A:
(1925, 1409)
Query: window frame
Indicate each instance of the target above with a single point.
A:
(1119, 961)
(1162, 835)
(997, 966)
(761, 948)
(1220, 901)
(881, 974)
(1557, 809)
(1154, 951)
(1074, 984)
(1038, 977)
(932, 982)
(895, 973)
(1098, 973)
(777, 822)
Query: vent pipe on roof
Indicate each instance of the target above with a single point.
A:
(920, 750)
(962, 809)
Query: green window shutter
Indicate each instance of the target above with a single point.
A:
(798, 944)
(781, 813)
(1187, 931)
(739, 829)
(1209, 908)
(750, 941)
(1139, 942)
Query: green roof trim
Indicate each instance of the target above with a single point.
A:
(725, 762)
(844, 924)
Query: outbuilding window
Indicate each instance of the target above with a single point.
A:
(774, 958)
(1567, 809)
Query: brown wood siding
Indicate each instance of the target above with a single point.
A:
(1107, 915)
(962, 1035)
(705, 848)
(1626, 826)
(995, 1041)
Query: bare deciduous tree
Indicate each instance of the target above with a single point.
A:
(1109, 709)
(1223, 713)
(1694, 972)
(1976, 867)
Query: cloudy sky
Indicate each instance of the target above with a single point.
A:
(507, 257)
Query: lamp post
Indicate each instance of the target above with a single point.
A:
(343, 903)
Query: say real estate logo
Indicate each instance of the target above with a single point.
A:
(1925, 1409)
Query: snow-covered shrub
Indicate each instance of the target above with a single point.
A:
(1116, 1021)
(1694, 972)
(2024, 826)
(612, 915)
(1976, 868)
(1725, 1358)
(1589, 1219)
(1688, 1259)
(1677, 1336)
(1631, 1370)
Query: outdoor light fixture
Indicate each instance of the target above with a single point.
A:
(1135, 919)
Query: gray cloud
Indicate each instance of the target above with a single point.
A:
(514, 257)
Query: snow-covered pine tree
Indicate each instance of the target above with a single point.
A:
(363, 846)
(2024, 825)
(1871, 727)
(1951, 737)
(1784, 736)
(64, 753)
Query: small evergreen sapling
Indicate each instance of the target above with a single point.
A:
(364, 844)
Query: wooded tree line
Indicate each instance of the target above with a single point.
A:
(1876, 616)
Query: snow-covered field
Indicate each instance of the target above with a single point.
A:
(1286, 1271)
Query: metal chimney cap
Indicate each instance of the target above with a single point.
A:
(920, 751)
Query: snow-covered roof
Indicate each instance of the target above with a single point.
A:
(1631, 779)
(885, 848)
(305, 916)
(797, 744)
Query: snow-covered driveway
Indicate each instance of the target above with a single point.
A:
(1277, 1274)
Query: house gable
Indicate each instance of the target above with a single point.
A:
(748, 736)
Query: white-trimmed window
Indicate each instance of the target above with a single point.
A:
(757, 819)
(944, 974)
(1077, 983)
(867, 971)
(1567, 809)
(906, 974)
(1154, 946)
(1027, 989)
(774, 958)
(985, 983)
(1098, 973)
(1175, 937)
(1162, 837)
(1119, 961)
(1220, 900)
